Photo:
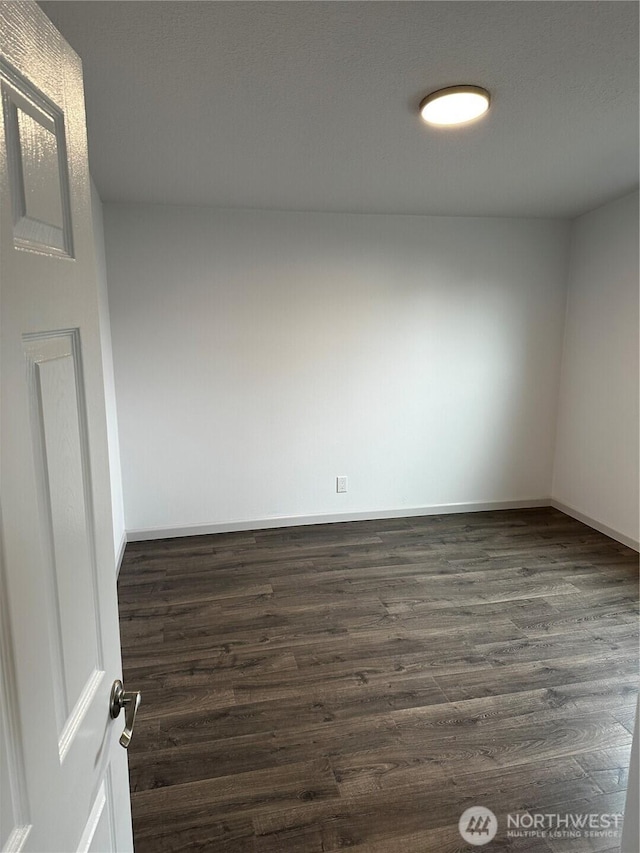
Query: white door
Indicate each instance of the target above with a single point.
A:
(63, 774)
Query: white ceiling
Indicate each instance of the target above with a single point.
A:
(313, 105)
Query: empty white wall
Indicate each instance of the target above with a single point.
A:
(109, 385)
(260, 354)
(596, 469)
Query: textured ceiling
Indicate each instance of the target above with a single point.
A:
(313, 105)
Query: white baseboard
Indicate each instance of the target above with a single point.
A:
(120, 551)
(326, 518)
(597, 525)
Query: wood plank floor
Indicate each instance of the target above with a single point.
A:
(360, 685)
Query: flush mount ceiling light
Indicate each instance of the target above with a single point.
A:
(454, 105)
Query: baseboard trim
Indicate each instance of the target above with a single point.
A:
(597, 525)
(149, 533)
(120, 552)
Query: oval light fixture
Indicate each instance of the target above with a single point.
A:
(454, 105)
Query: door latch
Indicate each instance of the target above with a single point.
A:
(130, 701)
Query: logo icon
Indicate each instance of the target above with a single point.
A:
(478, 825)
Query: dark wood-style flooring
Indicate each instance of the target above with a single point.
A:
(360, 685)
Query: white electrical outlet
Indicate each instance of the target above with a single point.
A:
(341, 484)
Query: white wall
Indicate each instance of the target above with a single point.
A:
(107, 359)
(597, 466)
(260, 354)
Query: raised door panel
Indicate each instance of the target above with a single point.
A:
(60, 442)
(37, 166)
